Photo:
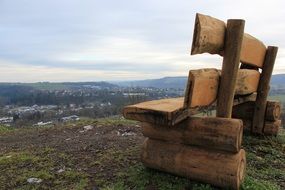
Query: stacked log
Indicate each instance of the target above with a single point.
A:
(205, 149)
(221, 169)
(210, 132)
(272, 122)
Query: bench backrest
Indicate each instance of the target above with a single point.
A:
(205, 86)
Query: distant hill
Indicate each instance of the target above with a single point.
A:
(278, 79)
(57, 85)
(180, 82)
(166, 82)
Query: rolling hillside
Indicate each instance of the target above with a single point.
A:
(180, 82)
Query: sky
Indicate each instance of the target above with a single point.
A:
(95, 40)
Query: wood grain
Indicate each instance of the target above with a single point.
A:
(263, 90)
(202, 87)
(171, 111)
(209, 36)
(270, 128)
(234, 34)
(208, 132)
(246, 110)
(222, 169)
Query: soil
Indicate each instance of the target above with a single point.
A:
(92, 150)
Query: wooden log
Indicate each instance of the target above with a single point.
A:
(252, 51)
(271, 128)
(208, 132)
(221, 169)
(246, 110)
(263, 90)
(273, 110)
(247, 83)
(209, 36)
(232, 47)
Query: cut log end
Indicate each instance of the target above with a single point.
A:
(208, 36)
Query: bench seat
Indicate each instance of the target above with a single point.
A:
(170, 111)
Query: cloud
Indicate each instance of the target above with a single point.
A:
(120, 39)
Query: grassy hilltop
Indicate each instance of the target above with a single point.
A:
(106, 156)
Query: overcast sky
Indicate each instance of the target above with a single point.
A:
(93, 40)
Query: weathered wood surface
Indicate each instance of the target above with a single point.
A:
(247, 81)
(151, 111)
(263, 90)
(166, 111)
(169, 111)
(209, 36)
(221, 169)
(271, 128)
(252, 51)
(208, 132)
(202, 87)
(246, 110)
(232, 47)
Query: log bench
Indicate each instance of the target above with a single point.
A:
(208, 149)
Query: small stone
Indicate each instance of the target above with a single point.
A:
(128, 134)
(60, 171)
(259, 158)
(34, 180)
(88, 127)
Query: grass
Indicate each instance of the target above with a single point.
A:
(279, 97)
(4, 129)
(265, 170)
(17, 167)
(120, 169)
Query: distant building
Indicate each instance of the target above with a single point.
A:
(43, 123)
(70, 118)
(5, 120)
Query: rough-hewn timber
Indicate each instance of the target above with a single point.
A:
(203, 84)
(271, 128)
(221, 169)
(209, 36)
(228, 81)
(170, 111)
(246, 110)
(263, 90)
(208, 132)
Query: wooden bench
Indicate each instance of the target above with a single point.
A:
(209, 37)
(208, 149)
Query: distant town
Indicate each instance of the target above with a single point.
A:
(42, 106)
(45, 104)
